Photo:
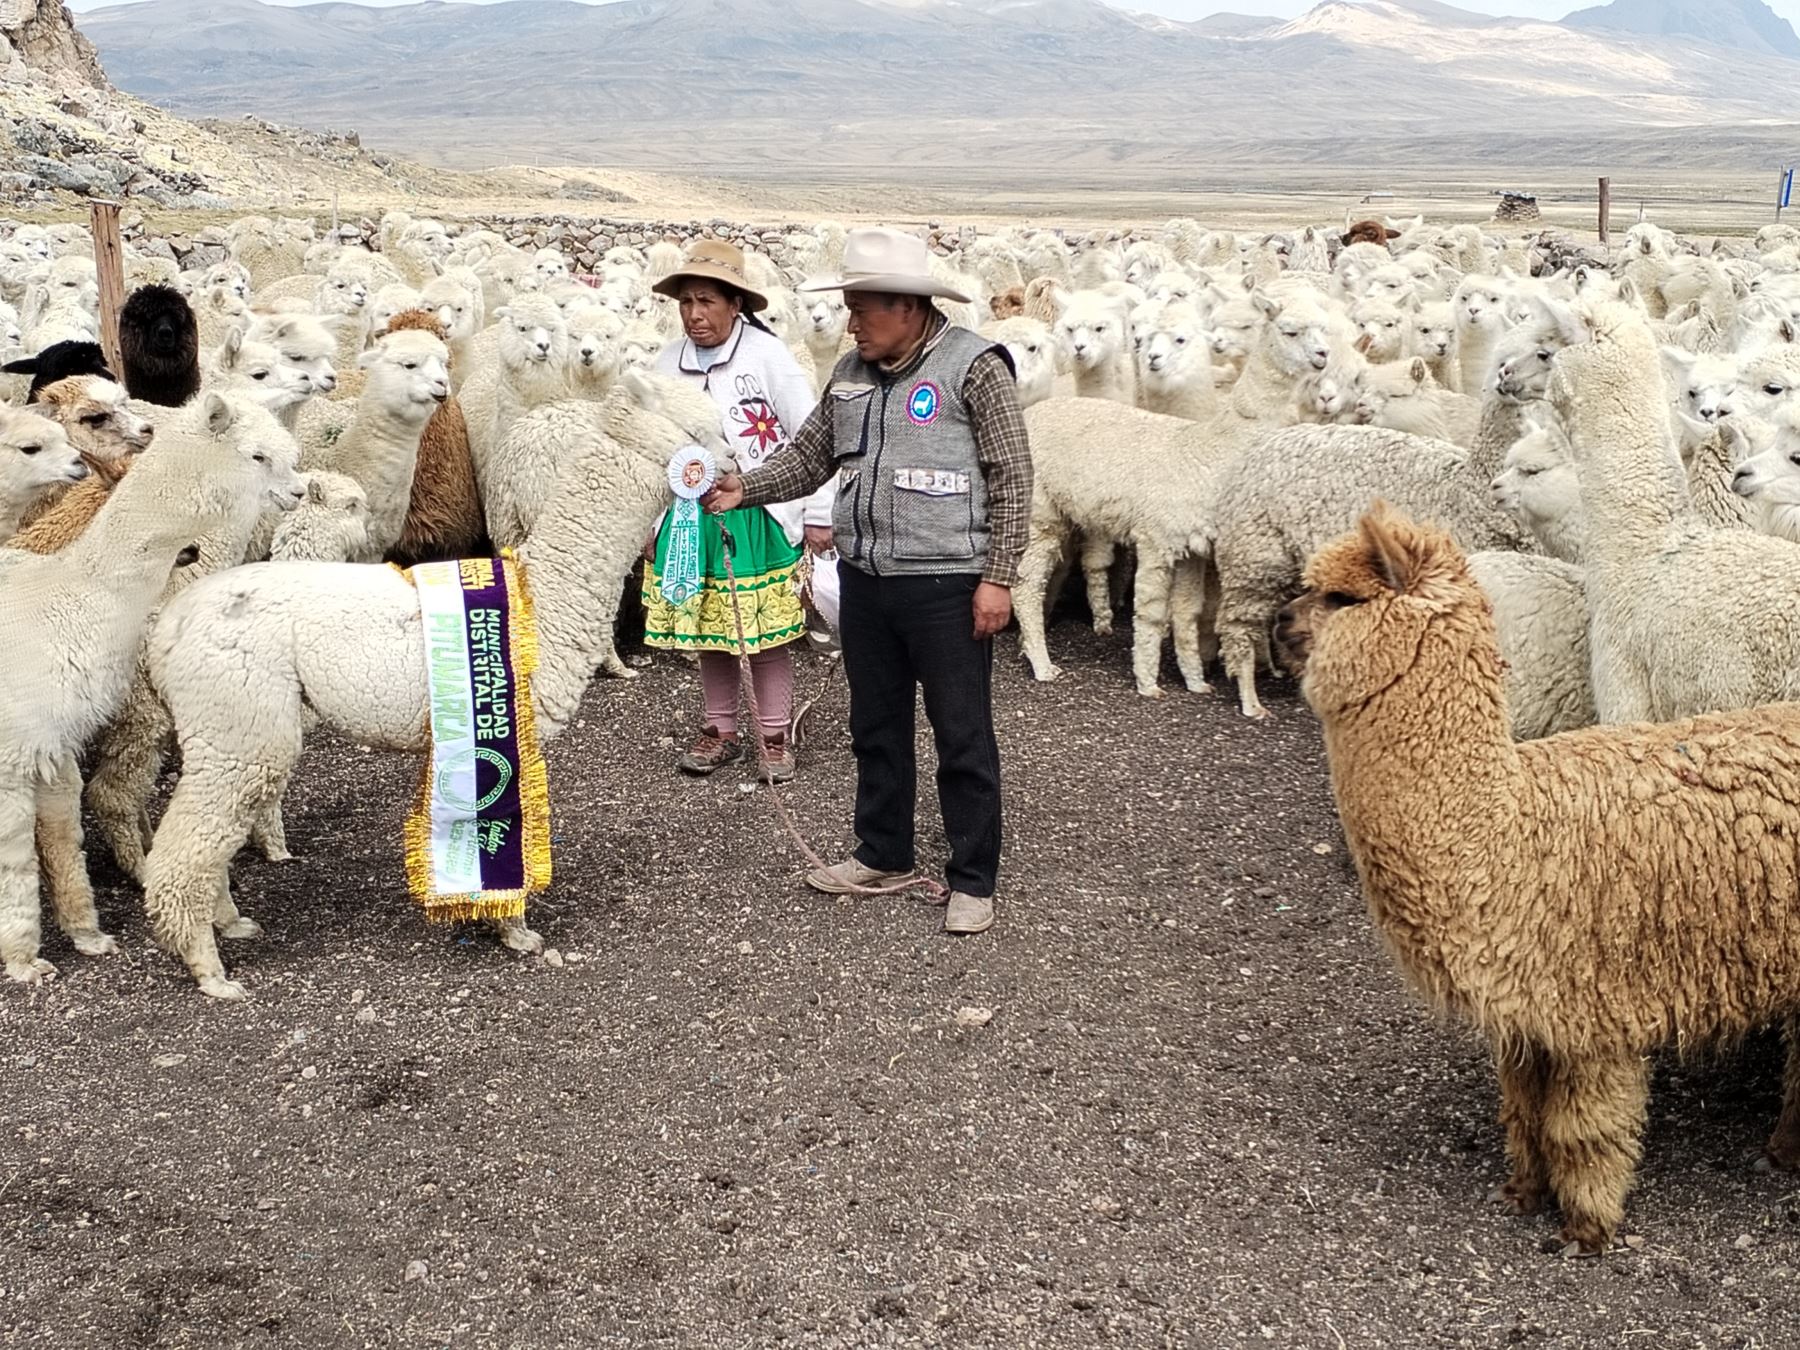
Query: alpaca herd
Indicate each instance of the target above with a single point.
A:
(1602, 453)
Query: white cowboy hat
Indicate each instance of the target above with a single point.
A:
(891, 261)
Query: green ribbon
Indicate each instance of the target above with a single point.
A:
(681, 561)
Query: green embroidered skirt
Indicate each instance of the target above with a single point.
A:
(763, 563)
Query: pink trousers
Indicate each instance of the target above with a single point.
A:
(772, 673)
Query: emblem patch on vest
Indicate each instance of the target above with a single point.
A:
(922, 404)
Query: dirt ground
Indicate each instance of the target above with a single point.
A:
(1205, 1111)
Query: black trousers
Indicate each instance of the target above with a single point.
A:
(900, 634)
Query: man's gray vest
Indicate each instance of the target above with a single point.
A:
(911, 497)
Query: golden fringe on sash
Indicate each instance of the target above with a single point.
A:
(534, 782)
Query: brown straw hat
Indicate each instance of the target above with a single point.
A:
(714, 260)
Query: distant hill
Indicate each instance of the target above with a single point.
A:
(930, 88)
(1748, 25)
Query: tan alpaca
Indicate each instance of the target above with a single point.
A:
(1584, 900)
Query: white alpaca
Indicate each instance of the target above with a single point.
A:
(1094, 331)
(1684, 619)
(408, 379)
(595, 333)
(531, 368)
(1297, 337)
(1175, 375)
(1434, 338)
(36, 460)
(1032, 347)
(1539, 487)
(1481, 318)
(76, 619)
(239, 656)
(304, 344)
(1151, 487)
(1540, 617)
(455, 298)
(1383, 329)
(330, 525)
(1401, 395)
(825, 321)
(256, 368)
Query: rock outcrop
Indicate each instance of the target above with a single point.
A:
(42, 42)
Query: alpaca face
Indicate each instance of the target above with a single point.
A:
(1236, 327)
(389, 301)
(1390, 283)
(409, 371)
(345, 289)
(638, 348)
(1705, 388)
(1371, 598)
(1175, 352)
(1523, 363)
(1395, 395)
(1480, 306)
(1768, 381)
(549, 263)
(97, 417)
(303, 344)
(1092, 330)
(594, 333)
(826, 317)
(455, 308)
(230, 276)
(1382, 328)
(1771, 478)
(534, 333)
(256, 369)
(1298, 336)
(35, 456)
(1538, 486)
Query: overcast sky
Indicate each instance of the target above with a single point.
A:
(1199, 9)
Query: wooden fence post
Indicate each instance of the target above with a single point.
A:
(1605, 210)
(109, 265)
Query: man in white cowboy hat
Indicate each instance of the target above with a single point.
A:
(921, 428)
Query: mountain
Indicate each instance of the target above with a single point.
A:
(1748, 25)
(932, 90)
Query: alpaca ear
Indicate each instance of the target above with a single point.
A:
(1420, 372)
(1787, 332)
(1364, 343)
(1645, 246)
(1678, 358)
(1389, 557)
(315, 490)
(1628, 292)
(219, 415)
(1269, 308)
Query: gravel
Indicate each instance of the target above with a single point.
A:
(1178, 1096)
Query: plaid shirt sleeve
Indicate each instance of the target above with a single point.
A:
(1004, 449)
(801, 466)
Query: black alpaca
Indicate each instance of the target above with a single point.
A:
(159, 344)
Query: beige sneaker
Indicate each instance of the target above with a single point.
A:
(777, 762)
(969, 913)
(845, 877)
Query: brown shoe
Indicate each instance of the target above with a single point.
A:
(710, 753)
(777, 763)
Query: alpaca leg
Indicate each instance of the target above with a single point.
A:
(59, 844)
(1593, 1125)
(1187, 606)
(1237, 647)
(1523, 1076)
(1150, 619)
(1041, 556)
(124, 779)
(269, 834)
(515, 935)
(186, 880)
(19, 917)
(1096, 570)
(1783, 1149)
(227, 922)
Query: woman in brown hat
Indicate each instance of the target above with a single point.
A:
(762, 395)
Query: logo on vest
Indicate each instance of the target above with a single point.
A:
(922, 404)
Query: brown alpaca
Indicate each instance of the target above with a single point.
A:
(1584, 900)
(1369, 232)
(443, 517)
(68, 519)
(106, 432)
(1008, 304)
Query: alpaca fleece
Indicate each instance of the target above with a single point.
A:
(59, 361)
(444, 517)
(1584, 900)
(159, 346)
